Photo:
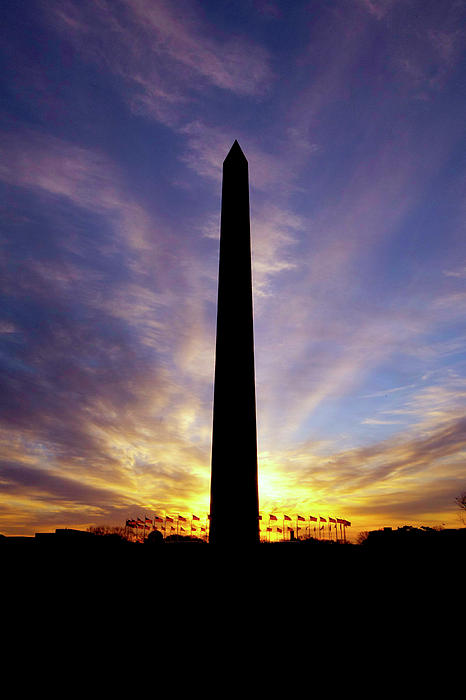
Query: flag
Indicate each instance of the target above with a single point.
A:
(342, 522)
(269, 529)
(182, 529)
(322, 519)
(168, 520)
(193, 528)
(286, 517)
(279, 529)
(300, 518)
(158, 520)
(347, 523)
(180, 517)
(202, 529)
(148, 520)
(331, 520)
(272, 517)
(311, 517)
(140, 522)
(195, 517)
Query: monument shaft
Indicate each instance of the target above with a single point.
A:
(234, 505)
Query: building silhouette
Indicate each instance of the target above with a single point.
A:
(234, 504)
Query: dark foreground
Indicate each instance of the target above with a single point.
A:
(386, 554)
(167, 588)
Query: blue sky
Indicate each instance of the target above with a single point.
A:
(115, 119)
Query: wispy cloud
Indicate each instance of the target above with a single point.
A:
(386, 392)
(165, 52)
(411, 476)
(103, 402)
(378, 421)
(84, 177)
(378, 8)
(460, 273)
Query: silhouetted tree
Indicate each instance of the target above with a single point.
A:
(461, 501)
(106, 530)
(155, 537)
(362, 537)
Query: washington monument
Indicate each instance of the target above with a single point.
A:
(234, 503)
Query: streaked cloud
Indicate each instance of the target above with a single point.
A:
(112, 138)
(164, 52)
(379, 481)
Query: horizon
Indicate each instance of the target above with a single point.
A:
(115, 123)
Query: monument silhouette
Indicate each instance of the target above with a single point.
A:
(234, 501)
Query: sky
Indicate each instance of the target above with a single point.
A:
(115, 118)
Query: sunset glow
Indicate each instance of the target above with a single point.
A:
(116, 118)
